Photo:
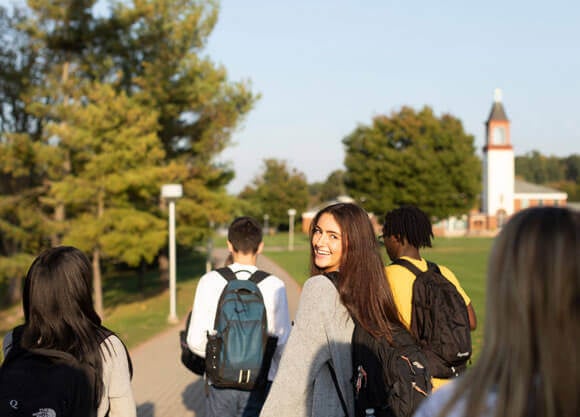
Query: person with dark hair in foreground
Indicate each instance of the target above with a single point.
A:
(60, 323)
(529, 362)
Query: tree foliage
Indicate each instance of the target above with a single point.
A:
(541, 169)
(98, 112)
(116, 163)
(412, 157)
(23, 220)
(560, 173)
(276, 190)
(330, 189)
(333, 187)
(198, 107)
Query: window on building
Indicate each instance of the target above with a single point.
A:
(499, 135)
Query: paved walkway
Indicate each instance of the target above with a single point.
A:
(163, 387)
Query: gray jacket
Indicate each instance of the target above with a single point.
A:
(321, 333)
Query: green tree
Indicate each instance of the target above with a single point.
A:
(276, 190)
(19, 71)
(314, 189)
(23, 223)
(413, 157)
(330, 189)
(552, 171)
(118, 105)
(572, 164)
(333, 187)
(61, 35)
(117, 162)
(540, 169)
(572, 167)
(570, 188)
(198, 107)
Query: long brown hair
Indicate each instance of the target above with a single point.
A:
(532, 326)
(362, 283)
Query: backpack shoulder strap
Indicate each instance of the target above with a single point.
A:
(434, 266)
(227, 273)
(337, 387)
(16, 349)
(407, 264)
(230, 275)
(258, 276)
(411, 267)
(333, 277)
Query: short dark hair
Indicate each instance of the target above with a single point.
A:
(410, 223)
(245, 234)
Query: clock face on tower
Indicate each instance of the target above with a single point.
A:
(498, 135)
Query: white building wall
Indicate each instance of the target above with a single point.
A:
(498, 174)
(484, 201)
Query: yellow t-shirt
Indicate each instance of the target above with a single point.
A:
(401, 281)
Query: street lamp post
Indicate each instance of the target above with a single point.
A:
(171, 192)
(291, 214)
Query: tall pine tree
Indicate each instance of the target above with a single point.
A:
(120, 104)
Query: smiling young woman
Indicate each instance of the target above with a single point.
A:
(348, 281)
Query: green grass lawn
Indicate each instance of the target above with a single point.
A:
(139, 315)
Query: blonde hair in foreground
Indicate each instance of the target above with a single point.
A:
(532, 324)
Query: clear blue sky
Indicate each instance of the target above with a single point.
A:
(323, 67)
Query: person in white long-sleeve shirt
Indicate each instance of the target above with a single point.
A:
(245, 244)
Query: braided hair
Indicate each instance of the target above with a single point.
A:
(410, 223)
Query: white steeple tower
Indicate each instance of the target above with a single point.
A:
(498, 166)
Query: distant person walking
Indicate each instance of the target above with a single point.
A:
(245, 244)
(60, 321)
(405, 231)
(530, 362)
(343, 246)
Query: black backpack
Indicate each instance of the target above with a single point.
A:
(190, 360)
(43, 382)
(391, 379)
(439, 320)
(239, 350)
